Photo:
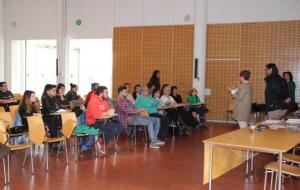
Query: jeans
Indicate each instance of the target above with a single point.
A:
(87, 142)
(152, 123)
(110, 129)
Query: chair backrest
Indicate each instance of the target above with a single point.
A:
(13, 109)
(3, 134)
(7, 119)
(2, 109)
(69, 123)
(37, 131)
(18, 96)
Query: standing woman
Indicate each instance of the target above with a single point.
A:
(243, 98)
(288, 77)
(154, 80)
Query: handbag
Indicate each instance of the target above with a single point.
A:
(292, 107)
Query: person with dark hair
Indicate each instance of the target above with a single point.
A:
(129, 95)
(137, 91)
(98, 113)
(196, 108)
(175, 110)
(130, 115)
(72, 94)
(60, 96)
(276, 93)
(94, 86)
(243, 98)
(146, 101)
(154, 80)
(49, 105)
(288, 77)
(6, 96)
(26, 107)
(175, 95)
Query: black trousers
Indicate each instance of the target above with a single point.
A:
(110, 129)
(164, 124)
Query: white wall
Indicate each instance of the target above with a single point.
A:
(49, 19)
(1, 41)
(233, 11)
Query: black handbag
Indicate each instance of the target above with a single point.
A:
(292, 107)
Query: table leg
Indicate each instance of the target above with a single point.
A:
(247, 162)
(280, 171)
(210, 166)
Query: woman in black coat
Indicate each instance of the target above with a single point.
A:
(154, 80)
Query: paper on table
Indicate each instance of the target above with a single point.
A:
(61, 110)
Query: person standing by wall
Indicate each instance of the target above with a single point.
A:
(276, 93)
(243, 98)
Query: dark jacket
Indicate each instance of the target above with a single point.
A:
(276, 92)
(24, 114)
(71, 95)
(49, 105)
(61, 103)
(154, 82)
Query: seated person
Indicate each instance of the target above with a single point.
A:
(27, 107)
(6, 96)
(72, 94)
(175, 110)
(49, 106)
(98, 113)
(60, 96)
(94, 86)
(175, 95)
(129, 115)
(129, 95)
(136, 91)
(197, 109)
(147, 102)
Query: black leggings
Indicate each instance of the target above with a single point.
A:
(164, 124)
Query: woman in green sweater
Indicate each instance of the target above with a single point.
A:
(197, 109)
(291, 84)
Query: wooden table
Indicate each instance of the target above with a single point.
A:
(227, 151)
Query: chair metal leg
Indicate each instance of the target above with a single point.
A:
(95, 146)
(31, 158)
(75, 149)
(146, 138)
(276, 184)
(25, 158)
(47, 157)
(271, 183)
(104, 144)
(67, 158)
(57, 154)
(44, 152)
(252, 160)
(135, 128)
(4, 171)
(265, 181)
(116, 141)
(247, 162)
(8, 174)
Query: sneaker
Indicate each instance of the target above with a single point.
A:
(159, 142)
(154, 145)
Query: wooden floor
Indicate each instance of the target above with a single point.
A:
(177, 165)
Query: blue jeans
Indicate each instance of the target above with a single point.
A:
(152, 123)
(87, 142)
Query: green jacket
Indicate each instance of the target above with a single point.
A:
(292, 89)
(193, 100)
